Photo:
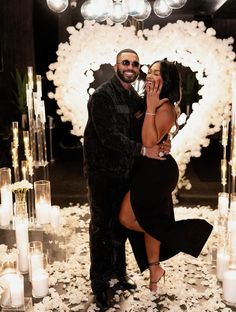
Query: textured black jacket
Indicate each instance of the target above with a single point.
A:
(109, 147)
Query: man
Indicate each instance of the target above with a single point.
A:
(109, 151)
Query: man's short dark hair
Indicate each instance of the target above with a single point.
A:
(125, 51)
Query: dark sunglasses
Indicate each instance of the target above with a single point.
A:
(127, 63)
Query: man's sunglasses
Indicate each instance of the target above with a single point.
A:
(127, 63)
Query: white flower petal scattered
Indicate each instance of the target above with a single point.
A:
(191, 284)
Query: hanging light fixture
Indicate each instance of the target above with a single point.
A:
(58, 6)
(135, 7)
(88, 10)
(161, 9)
(98, 10)
(176, 4)
(119, 10)
(146, 12)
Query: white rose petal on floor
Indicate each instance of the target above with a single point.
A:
(191, 284)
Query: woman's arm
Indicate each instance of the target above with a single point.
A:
(157, 125)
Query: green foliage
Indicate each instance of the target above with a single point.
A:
(20, 91)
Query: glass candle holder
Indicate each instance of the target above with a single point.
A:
(213, 255)
(36, 258)
(233, 202)
(232, 214)
(223, 204)
(9, 261)
(229, 280)
(20, 209)
(22, 241)
(55, 217)
(13, 293)
(15, 132)
(222, 262)
(42, 191)
(40, 279)
(6, 209)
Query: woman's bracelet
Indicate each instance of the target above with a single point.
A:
(151, 114)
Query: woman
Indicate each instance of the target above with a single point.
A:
(148, 206)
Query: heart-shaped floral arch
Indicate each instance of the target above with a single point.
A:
(188, 43)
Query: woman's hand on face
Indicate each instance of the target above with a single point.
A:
(153, 89)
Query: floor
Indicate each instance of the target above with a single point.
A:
(68, 185)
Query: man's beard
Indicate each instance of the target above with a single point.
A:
(127, 79)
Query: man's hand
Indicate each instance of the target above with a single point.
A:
(165, 146)
(159, 151)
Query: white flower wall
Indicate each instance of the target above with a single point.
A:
(188, 43)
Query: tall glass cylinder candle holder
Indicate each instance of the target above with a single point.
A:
(224, 173)
(13, 294)
(40, 280)
(6, 209)
(42, 191)
(36, 257)
(223, 204)
(233, 202)
(55, 217)
(15, 131)
(24, 170)
(229, 280)
(232, 213)
(22, 241)
(222, 261)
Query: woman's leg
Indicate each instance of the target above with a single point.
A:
(153, 254)
(128, 219)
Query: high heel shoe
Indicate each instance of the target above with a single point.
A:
(154, 282)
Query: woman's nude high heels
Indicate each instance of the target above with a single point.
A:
(159, 275)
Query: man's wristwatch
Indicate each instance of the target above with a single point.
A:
(143, 151)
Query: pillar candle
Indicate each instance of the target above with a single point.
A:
(43, 212)
(232, 238)
(22, 241)
(13, 296)
(4, 217)
(17, 290)
(7, 202)
(40, 284)
(222, 261)
(229, 286)
(36, 262)
(223, 203)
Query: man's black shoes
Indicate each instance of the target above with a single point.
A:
(101, 300)
(127, 283)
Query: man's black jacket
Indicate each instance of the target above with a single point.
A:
(109, 145)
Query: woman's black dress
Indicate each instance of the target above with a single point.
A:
(152, 184)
